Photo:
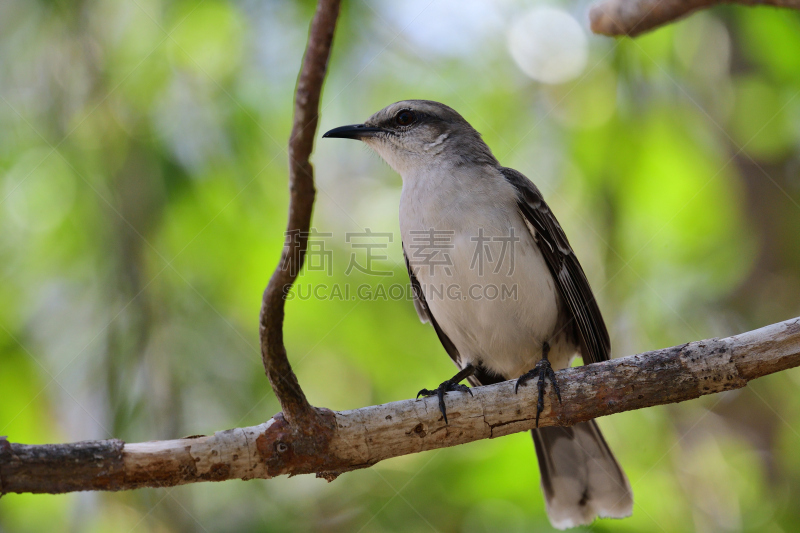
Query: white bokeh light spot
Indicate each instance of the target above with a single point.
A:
(549, 45)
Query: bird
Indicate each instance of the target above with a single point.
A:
(456, 195)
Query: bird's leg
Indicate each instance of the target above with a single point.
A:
(450, 385)
(542, 369)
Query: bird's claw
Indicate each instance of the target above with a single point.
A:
(542, 370)
(441, 390)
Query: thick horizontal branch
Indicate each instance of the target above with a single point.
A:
(363, 437)
(632, 17)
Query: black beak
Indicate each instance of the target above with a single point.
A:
(354, 131)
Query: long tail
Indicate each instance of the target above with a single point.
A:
(581, 479)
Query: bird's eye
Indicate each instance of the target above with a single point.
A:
(405, 117)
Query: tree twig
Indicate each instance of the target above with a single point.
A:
(363, 437)
(296, 409)
(632, 17)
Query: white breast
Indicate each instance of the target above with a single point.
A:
(500, 314)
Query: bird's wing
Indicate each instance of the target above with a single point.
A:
(570, 279)
(425, 314)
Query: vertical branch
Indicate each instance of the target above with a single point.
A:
(296, 409)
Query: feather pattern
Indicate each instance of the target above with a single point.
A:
(570, 278)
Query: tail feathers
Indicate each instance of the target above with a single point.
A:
(581, 479)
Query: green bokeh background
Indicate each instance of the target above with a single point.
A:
(143, 197)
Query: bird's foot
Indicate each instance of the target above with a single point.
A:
(542, 370)
(441, 390)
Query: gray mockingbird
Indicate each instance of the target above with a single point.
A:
(494, 274)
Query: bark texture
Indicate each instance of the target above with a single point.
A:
(298, 412)
(632, 17)
(362, 437)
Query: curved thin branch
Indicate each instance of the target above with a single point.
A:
(632, 17)
(295, 406)
(363, 437)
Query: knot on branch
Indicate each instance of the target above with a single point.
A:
(300, 449)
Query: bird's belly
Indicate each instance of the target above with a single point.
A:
(496, 300)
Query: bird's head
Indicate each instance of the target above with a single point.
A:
(413, 135)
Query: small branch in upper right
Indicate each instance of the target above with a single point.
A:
(633, 17)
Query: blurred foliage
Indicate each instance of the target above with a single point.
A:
(143, 185)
